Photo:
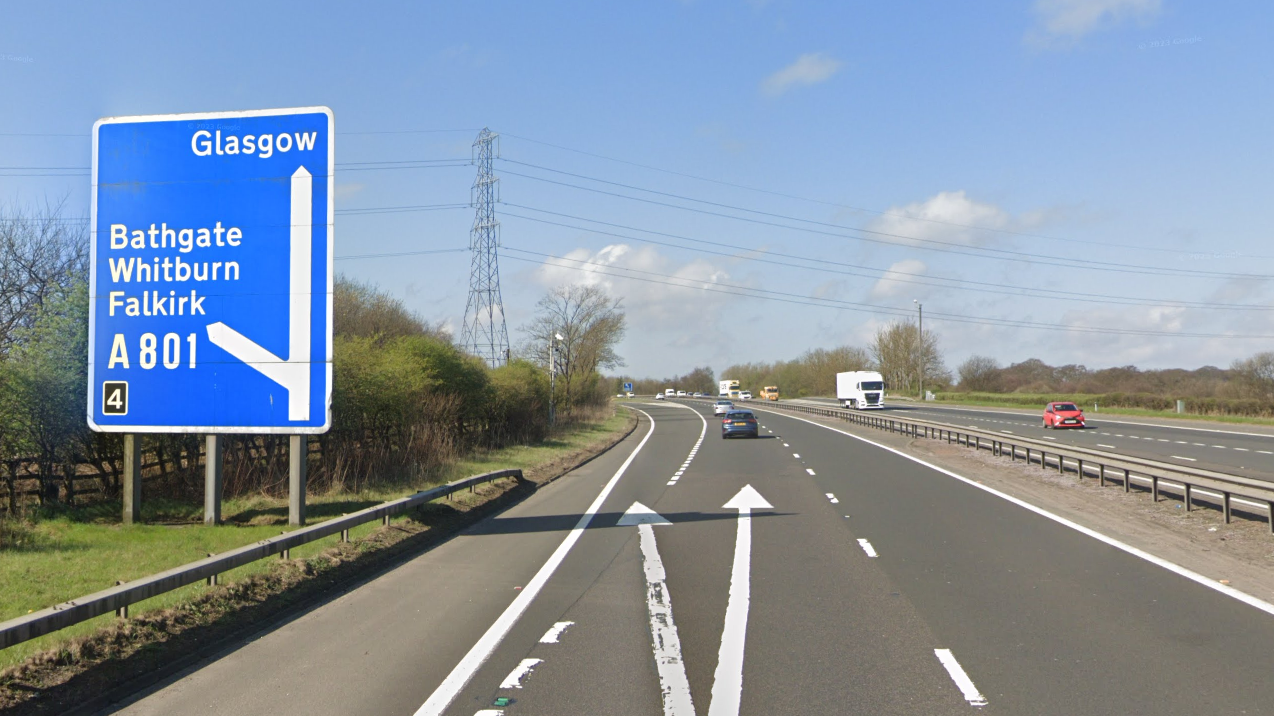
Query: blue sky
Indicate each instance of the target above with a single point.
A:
(1131, 132)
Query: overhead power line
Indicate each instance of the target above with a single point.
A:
(765, 294)
(938, 246)
(878, 212)
(821, 265)
(399, 253)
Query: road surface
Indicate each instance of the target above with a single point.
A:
(872, 585)
(1238, 449)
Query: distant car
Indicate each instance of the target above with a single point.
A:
(745, 395)
(619, 395)
(659, 396)
(739, 422)
(721, 407)
(698, 394)
(681, 393)
(1063, 415)
(629, 395)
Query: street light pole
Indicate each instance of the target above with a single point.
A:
(553, 377)
(920, 308)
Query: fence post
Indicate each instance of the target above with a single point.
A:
(297, 455)
(132, 478)
(212, 481)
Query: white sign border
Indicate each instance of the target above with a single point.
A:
(331, 282)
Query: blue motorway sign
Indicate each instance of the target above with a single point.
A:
(628, 387)
(211, 279)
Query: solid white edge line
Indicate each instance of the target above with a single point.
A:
(514, 679)
(555, 633)
(961, 679)
(871, 551)
(459, 677)
(1173, 567)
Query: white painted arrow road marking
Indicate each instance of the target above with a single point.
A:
(727, 682)
(294, 373)
(663, 631)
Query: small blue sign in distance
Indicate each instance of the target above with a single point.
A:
(628, 387)
(211, 272)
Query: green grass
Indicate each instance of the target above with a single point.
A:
(1101, 410)
(76, 552)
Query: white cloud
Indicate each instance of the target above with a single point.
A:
(1070, 20)
(649, 305)
(347, 190)
(899, 279)
(947, 216)
(809, 69)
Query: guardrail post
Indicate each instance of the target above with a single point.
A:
(212, 580)
(1101, 475)
(1012, 453)
(1186, 495)
(1154, 488)
(384, 521)
(1225, 503)
(212, 482)
(1270, 506)
(1080, 470)
(1043, 460)
(122, 612)
(1127, 480)
(132, 478)
(298, 455)
(1061, 464)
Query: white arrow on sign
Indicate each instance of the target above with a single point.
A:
(727, 683)
(294, 373)
(663, 632)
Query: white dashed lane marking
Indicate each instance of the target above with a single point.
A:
(1190, 459)
(871, 551)
(796, 455)
(961, 679)
(809, 471)
(514, 679)
(555, 632)
(832, 498)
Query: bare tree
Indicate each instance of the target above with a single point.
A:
(41, 252)
(980, 373)
(1255, 375)
(899, 354)
(591, 324)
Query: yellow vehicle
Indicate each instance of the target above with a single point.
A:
(770, 392)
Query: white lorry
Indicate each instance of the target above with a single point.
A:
(727, 388)
(861, 389)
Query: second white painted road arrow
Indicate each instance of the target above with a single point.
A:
(727, 683)
(667, 645)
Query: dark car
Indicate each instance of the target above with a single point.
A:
(739, 422)
(1063, 415)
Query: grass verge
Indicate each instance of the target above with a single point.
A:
(1131, 412)
(68, 559)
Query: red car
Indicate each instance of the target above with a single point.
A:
(1063, 415)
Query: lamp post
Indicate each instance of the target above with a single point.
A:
(920, 308)
(553, 376)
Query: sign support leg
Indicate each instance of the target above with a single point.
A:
(297, 453)
(132, 478)
(212, 480)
